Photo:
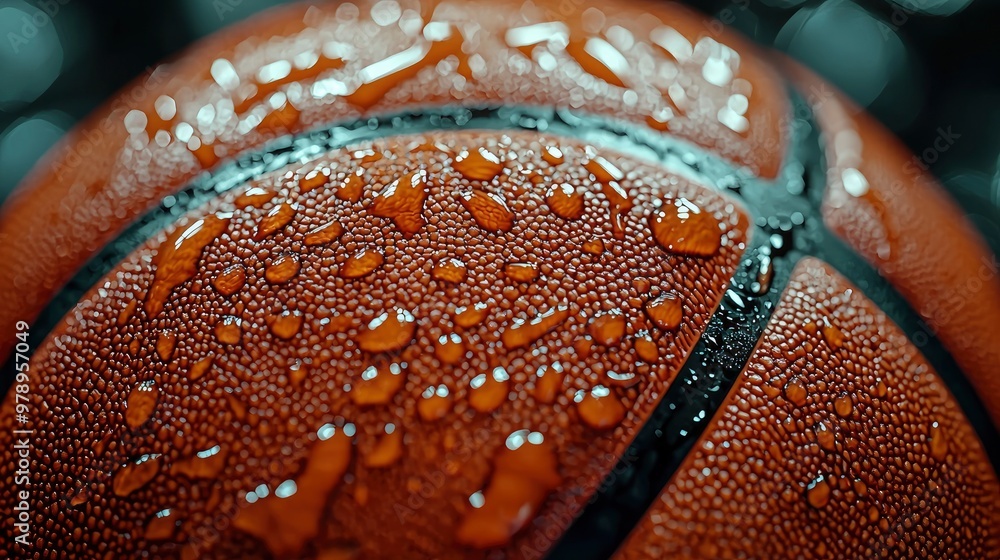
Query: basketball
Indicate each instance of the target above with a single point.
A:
(499, 280)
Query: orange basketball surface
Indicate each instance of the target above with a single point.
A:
(468, 279)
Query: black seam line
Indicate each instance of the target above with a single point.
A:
(684, 412)
(713, 365)
(731, 334)
(692, 398)
(797, 224)
(677, 155)
(830, 248)
(788, 216)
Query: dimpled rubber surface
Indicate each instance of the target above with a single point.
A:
(249, 346)
(303, 66)
(838, 441)
(882, 200)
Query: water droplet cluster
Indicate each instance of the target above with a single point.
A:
(312, 65)
(321, 368)
(838, 440)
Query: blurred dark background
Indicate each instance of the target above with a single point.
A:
(920, 66)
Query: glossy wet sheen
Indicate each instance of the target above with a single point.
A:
(349, 388)
(837, 441)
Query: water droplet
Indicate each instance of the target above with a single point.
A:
(553, 155)
(548, 383)
(472, 315)
(361, 495)
(450, 349)
(362, 263)
(254, 197)
(607, 328)
(681, 227)
(387, 451)
(276, 219)
(314, 179)
(622, 379)
(229, 329)
(488, 391)
(522, 332)
(825, 436)
(488, 209)
(281, 115)
(177, 258)
(843, 405)
(231, 280)
(646, 348)
(296, 373)
(161, 526)
(665, 311)
(660, 120)
(380, 77)
(389, 331)
(765, 275)
(525, 472)
(205, 464)
(939, 442)
(289, 520)
(478, 165)
(377, 385)
(521, 272)
(818, 492)
(286, 324)
(282, 269)
(435, 403)
(203, 152)
(833, 336)
(165, 344)
(402, 201)
(352, 187)
(796, 391)
(135, 475)
(600, 59)
(594, 247)
(449, 270)
(881, 389)
(141, 403)
(103, 444)
(620, 204)
(200, 368)
(127, 312)
(599, 408)
(565, 201)
(603, 170)
(81, 497)
(321, 235)
(335, 324)
(271, 78)
(368, 156)
(527, 37)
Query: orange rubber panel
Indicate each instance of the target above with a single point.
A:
(837, 441)
(434, 344)
(295, 68)
(882, 201)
